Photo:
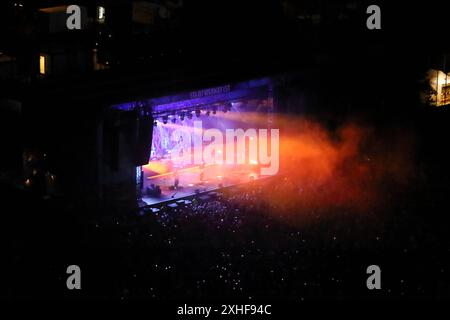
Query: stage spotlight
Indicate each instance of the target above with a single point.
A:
(165, 119)
(198, 112)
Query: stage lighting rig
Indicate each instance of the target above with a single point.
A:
(227, 107)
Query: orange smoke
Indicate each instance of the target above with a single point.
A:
(353, 167)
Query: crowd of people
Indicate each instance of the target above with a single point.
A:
(235, 244)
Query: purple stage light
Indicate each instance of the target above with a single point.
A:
(190, 100)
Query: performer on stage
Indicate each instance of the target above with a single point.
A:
(176, 179)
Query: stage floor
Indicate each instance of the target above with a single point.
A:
(191, 182)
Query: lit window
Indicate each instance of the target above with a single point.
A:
(101, 14)
(42, 64)
(440, 88)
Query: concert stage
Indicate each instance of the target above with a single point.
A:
(193, 182)
(199, 141)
